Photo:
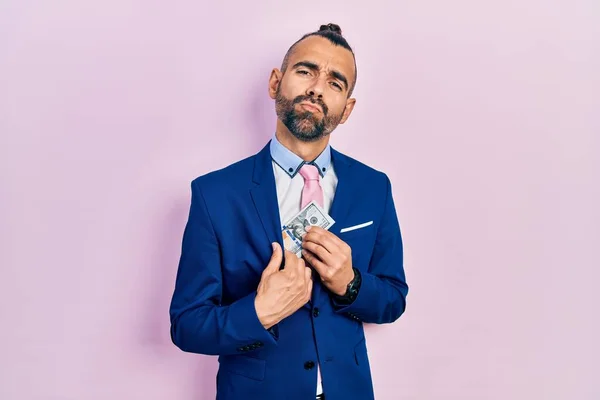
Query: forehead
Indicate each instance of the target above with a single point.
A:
(325, 54)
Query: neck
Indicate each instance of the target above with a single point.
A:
(308, 151)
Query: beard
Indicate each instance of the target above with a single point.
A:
(304, 125)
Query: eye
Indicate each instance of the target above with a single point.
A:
(336, 85)
(303, 72)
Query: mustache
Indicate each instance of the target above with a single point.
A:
(302, 98)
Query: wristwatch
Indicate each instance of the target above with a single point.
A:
(351, 290)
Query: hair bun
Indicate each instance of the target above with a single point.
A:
(331, 27)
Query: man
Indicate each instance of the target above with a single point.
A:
(283, 326)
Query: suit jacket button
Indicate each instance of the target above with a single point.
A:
(316, 312)
(309, 365)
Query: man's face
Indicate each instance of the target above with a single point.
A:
(311, 98)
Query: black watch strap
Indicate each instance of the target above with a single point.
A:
(351, 290)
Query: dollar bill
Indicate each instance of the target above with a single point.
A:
(295, 229)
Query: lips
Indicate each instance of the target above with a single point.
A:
(311, 107)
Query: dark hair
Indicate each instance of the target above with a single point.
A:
(333, 33)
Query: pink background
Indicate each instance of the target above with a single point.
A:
(485, 115)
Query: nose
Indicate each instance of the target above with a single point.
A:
(316, 89)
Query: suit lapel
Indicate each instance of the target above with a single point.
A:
(342, 200)
(264, 195)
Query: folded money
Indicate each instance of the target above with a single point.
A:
(295, 229)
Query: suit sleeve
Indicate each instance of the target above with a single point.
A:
(200, 323)
(383, 290)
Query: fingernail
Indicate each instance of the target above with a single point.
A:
(308, 228)
(274, 246)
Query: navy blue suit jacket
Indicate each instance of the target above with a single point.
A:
(233, 219)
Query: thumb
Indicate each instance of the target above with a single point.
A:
(276, 259)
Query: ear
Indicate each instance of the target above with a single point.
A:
(274, 82)
(348, 110)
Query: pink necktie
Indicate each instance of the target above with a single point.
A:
(312, 187)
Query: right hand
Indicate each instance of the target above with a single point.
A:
(281, 292)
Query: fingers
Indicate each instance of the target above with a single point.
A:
(299, 275)
(315, 262)
(275, 261)
(317, 230)
(309, 286)
(320, 251)
(307, 274)
(290, 260)
(293, 263)
(324, 238)
(288, 254)
(300, 267)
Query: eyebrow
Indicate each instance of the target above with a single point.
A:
(313, 66)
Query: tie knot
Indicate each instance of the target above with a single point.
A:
(309, 172)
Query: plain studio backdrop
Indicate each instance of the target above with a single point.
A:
(485, 115)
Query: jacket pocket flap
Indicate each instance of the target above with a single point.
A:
(253, 368)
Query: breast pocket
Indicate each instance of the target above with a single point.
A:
(361, 239)
(357, 230)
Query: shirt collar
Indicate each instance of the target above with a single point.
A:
(291, 163)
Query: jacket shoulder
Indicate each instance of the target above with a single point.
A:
(361, 170)
(229, 176)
